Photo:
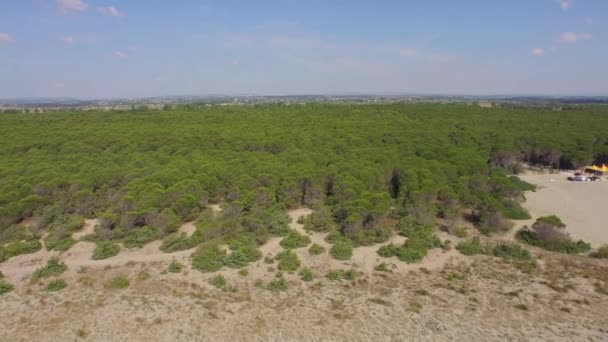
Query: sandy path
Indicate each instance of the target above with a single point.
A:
(88, 228)
(581, 205)
(187, 228)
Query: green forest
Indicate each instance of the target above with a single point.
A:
(145, 172)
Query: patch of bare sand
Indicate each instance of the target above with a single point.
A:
(580, 205)
(486, 301)
(187, 228)
(87, 229)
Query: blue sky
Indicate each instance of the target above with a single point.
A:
(128, 48)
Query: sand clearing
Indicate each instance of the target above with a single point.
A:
(582, 206)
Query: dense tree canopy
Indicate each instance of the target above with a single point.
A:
(147, 171)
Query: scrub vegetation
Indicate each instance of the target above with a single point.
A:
(143, 173)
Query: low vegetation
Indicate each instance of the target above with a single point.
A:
(53, 267)
(342, 249)
(56, 285)
(295, 240)
(601, 253)
(218, 281)
(316, 249)
(471, 247)
(277, 285)
(105, 249)
(549, 232)
(175, 267)
(5, 287)
(342, 275)
(119, 282)
(306, 274)
(288, 261)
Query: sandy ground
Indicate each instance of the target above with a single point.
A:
(582, 206)
(446, 297)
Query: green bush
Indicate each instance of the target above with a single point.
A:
(511, 251)
(551, 220)
(5, 287)
(53, 267)
(601, 253)
(470, 247)
(306, 274)
(119, 282)
(548, 232)
(105, 249)
(294, 240)
(175, 267)
(388, 251)
(19, 247)
(177, 242)
(141, 236)
(242, 257)
(208, 259)
(316, 249)
(460, 232)
(411, 255)
(381, 267)
(288, 261)
(218, 281)
(341, 275)
(56, 285)
(277, 285)
(342, 249)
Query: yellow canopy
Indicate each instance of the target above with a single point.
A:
(602, 168)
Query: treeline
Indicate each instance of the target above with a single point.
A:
(356, 163)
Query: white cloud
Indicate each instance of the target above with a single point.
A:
(537, 52)
(120, 54)
(109, 10)
(572, 37)
(68, 40)
(565, 4)
(6, 38)
(68, 6)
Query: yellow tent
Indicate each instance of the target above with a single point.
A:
(602, 168)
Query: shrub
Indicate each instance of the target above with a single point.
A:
(294, 240)
(243, 272)
(388, 251)
(601, 253)
(218, 281)
(411, 255)
(316, 249)
(288, 261)
(276, 285)
(319, 221)
(59, 239)
(548, 233)
(105, 249)
(177, 242)
(56, 285)
(53, 267)
(119, 282)
(381, 267)
(459, 231)
(175, 267)
(342, 249)
(551, 220)
(208, 259)
(470, 247)
(19, 247)
(242, 257)
(141, 236)
(143, 276)
(341, 275)
(511, 251)
(5, 287)
(306, 274)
